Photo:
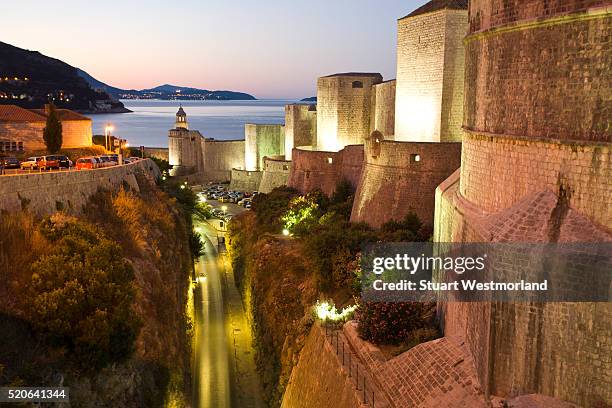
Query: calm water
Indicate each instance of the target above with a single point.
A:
(149, 123)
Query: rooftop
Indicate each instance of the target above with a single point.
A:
(13, 113)
(355, 74)
(435, 5)
(64, 114)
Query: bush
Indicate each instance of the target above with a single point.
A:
(395, 322)
(304, 212)
(410, 229)
(81, 294)
(269, 208)
(196, 245)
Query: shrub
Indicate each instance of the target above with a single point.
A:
(196, 245)
(304, 212)
(410, 229)
(394, 322)
(81, 294)
(269, 208)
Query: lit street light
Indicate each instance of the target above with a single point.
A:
(224, 208)
(107, 130)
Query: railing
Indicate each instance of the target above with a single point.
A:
(351, 363)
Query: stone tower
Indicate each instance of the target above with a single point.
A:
(343, 109)
(430, 70)
(535, 168)
(181, 119)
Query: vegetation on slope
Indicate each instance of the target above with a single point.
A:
(282, 277)
(97, 302)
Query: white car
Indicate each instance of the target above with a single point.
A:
(29, 163)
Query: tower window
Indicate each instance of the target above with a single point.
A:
(330, 160)
(357, 84)
(415, 158)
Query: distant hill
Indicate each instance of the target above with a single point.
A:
(166, 91)
(310, 99)
(30, 79)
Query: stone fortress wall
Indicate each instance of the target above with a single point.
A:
(430, 70)
(185, 151)
(401, 175)
(535, 168)
(275, 173)
(382, 118)
(30, 134)
(320, 170)
(300, 127)
(343, 109)
(44, 193)
(261, 141)
(220, 157)
(245, 180)
(76, 133)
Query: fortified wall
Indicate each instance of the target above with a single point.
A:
(535, 168)
(312, 170)
(275, 173)
(220, 157)
(343, 109)
(245, 180)
(185, 151)
(401, 175)
(45, 193)
(383, 109)
(262, 141)
(300, 127)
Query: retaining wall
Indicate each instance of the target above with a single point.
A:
(45, 193)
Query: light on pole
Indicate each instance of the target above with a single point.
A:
(224, 208)
(107, 130)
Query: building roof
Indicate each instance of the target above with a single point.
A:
(435, 5)
(13, 113)
(181, 112)
(64, 114)
(355, 74)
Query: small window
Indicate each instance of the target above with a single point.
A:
(220, 224)
(330, 160)
(285, 167)
(357, 84)
(415, 158)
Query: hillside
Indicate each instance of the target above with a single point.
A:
(30, 79)
(166, 91)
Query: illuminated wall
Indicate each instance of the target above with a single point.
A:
(300, 127)
(430, 70)
(262, 141)
(382, 117)
(185, 151)
(343, 109)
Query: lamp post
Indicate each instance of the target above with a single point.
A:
(224, 208)
(107, 130)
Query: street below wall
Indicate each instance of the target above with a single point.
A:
(224, 371)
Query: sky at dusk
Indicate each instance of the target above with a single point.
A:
(269, 48)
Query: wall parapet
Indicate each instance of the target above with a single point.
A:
(45, 193)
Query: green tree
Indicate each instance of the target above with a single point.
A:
(52, 134)
(82, 294)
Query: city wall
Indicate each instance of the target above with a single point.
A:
(400, 177)
(45, 193)
(220, 157)
(261, 141)
(535, 168)
(321, 170)
(161, 153)
(319, 378)
(300, 127)
(383, 105)
(275, 174)
(245, 180)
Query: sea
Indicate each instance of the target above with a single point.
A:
(150, 120)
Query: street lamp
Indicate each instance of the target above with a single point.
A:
(224, 208)
(107, 130)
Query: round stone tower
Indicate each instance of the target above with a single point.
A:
(535, 167)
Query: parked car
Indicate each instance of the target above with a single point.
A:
(9, 162)
(63, 161)
(86, 163)
(48, 162)
(105, 161)
(225, 198)
(30, 163)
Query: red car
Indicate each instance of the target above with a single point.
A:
(86, 163)
(48, 162)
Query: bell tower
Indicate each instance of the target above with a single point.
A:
(181, 119)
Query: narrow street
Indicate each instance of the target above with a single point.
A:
(224, 372)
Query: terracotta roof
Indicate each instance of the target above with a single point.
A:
(64, 114)
(355, 74)
(13, 113)
(435, 5)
